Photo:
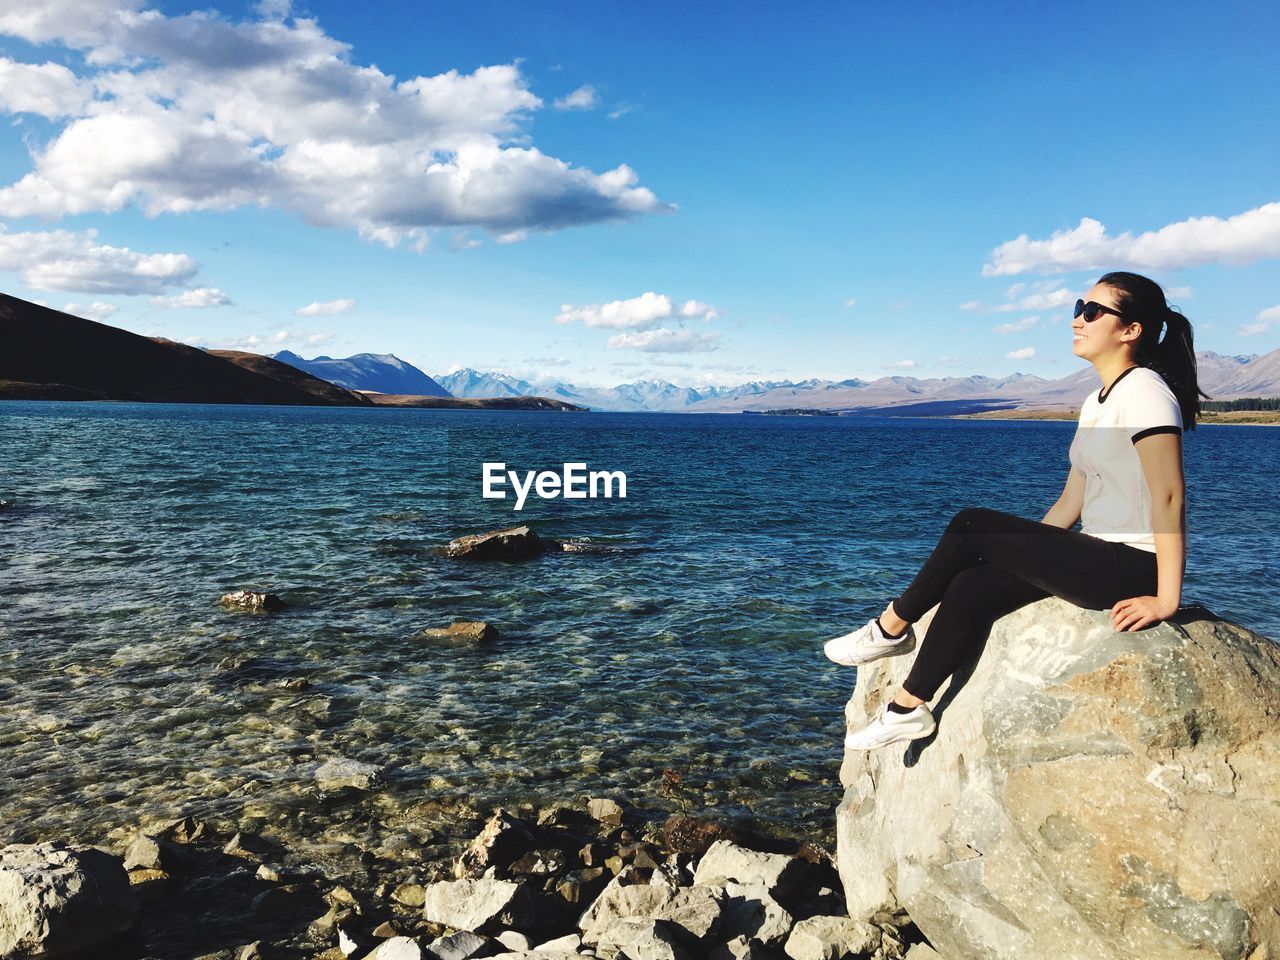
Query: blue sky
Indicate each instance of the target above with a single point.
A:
(829, 189)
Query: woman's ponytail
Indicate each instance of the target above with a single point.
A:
(1172, 355)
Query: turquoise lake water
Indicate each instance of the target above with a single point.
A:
(693, 646)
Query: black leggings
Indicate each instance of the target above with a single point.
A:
(988, 564)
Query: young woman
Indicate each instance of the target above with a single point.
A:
(1125, 486)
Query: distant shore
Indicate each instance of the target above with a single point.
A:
(1257, 418)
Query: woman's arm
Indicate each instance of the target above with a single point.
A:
(1161, 457)
(1066, 510)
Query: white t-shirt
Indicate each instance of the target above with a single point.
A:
(1117, 501)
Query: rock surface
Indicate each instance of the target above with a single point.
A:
(1088, 794)
(337, 775)
(55, 900)
(512, 543)
(478, 906)
(253, 601)
(462, 631)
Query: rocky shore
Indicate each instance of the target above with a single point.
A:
(595, 879)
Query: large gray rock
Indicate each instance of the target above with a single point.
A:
(695, 911)
(343, 774)
(55, 900)
(638, 939)
(752, 913)
(480, 906)
(1088, 794)
(832, 938)
(726, 862)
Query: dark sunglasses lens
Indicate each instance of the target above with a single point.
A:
(1079, 309)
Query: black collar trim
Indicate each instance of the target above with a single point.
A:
(1106, 391)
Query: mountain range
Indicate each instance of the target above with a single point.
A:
(1222, 377)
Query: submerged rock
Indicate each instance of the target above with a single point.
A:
(56, 900)
(254, 602)
(512, 543)
(462, 631)
(338, 775)
(1088, 794)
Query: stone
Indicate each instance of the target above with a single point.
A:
(637, 939)
(742, 948)
(149, 854)
(385, 930)
(726, 861)
(512, 543)
(462, 631)
(750, 911)
(694, 836)
(409, 894)
(479, 906)
(56, 900)
(566, 944)
(694, 910)
(285, 902)
(831, 938)
(1088, 794)
(513, 941)
(462, 945)
(253, 602)
(606, 811)
(342, 774)
(504, 839)
(397, 948)
(185, 831)
(922, 951)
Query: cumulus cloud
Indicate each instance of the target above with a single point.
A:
(47, 89)
(1017, 326)
(201, 112)
(900, 365)
(663, 340)
(1265, 320)
(1243, 238)
(638, 313)
(328, 308)
(77, 263)
(97, 310)
(584, 98)
(1025, 353)
(196, 299)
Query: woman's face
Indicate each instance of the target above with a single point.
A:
(1105, 335)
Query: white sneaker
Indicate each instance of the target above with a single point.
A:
(868, 643)
(889, 727)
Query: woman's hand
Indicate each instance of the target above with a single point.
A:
(1136, 612)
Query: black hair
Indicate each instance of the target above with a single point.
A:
(1141, 300)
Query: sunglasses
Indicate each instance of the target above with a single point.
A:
(1093, 310)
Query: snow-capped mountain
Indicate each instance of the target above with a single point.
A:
(376, 372)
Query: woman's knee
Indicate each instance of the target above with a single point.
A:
(977, 520)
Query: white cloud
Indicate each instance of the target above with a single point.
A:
(1017, 326)
(663, 340)
(196, 299)
(621, 110)
(1179, 293)
(49, 89)
(638, 313)
(1045, 295)
(1243, 238)
(97, 310)
(1025, 353)
(266, 342)
(584, 98)
(76, 262)
(900, 365)
(850, 302)
(200, 112)
(1265, 320)
(328, 308)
